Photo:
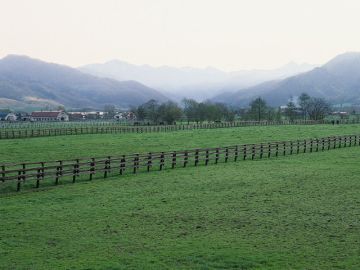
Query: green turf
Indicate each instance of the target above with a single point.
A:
(76, 146)
(293, 212)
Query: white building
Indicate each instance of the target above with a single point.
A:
(49, 116)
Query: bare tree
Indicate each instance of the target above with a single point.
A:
(318, 108)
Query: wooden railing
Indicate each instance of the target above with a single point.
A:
(134, 163)
(41, 132)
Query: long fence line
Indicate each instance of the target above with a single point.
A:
(42, 132)
(62, 124)
(134, 163)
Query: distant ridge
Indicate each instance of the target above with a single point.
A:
(338, 81)
(34, 83)
(197, 83)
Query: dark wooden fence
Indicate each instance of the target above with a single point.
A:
(41, 132)
(134, 163)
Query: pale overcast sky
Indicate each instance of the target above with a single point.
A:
(228, 34)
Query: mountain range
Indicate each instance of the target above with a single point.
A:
(31, 83)
(196, 83)
(338, 81)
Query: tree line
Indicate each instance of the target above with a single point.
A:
(306, 107)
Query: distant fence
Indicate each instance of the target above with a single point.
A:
(59, 124)
(41, 132)
(134, 163)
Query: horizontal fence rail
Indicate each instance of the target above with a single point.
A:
(42, 132)
(134, 163)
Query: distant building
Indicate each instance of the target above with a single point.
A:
(94, 115)
(125, 116)
(4, 116)
(77, 116)
(49, 116)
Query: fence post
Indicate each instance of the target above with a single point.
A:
(284, 148)
(19, 181)
(122, 164)
(75, 171)
(162, 160)
(185, 158)
(149, 162)
(297, 147)
(269, 150)
(107, 167)
(207, 157)
(345, 141)
(311, 146)
(57, 175)
(236, 153)
(253, 151)
(24, 172)
(244, 151)
(135, 163)
(3, 173)
(173, 164)
(226, 154)
(340, 141)
(261, 151)
(92, 168)
(277, 149)
(217, 156)
(196, 157)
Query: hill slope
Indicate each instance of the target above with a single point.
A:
(189, 82)
(338, 81)
(24, 79)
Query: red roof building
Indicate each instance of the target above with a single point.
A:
(49, 116)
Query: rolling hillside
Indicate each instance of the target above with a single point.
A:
(338, 81)
(33, 82)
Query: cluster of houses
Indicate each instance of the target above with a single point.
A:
(61, 116)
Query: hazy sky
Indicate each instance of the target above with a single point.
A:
(228, 34)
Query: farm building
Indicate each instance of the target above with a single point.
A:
(7, 116)
(77, 116)
(125, 116)
(49, 116)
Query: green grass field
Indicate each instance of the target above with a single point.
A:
(65, 147)
(298, 212)
(292, 212)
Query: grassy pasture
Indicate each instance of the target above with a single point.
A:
(76, 146)
(294, 212)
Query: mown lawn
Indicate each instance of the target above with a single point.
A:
(76, 146)
(293, 212)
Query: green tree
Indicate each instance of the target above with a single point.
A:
(151, 110)
(191, 110)
(170, 112)
(304, 100)
(258, 109)
(290, 110)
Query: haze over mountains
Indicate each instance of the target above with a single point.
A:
(27, 82)
(200, 84)
(338, 81)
